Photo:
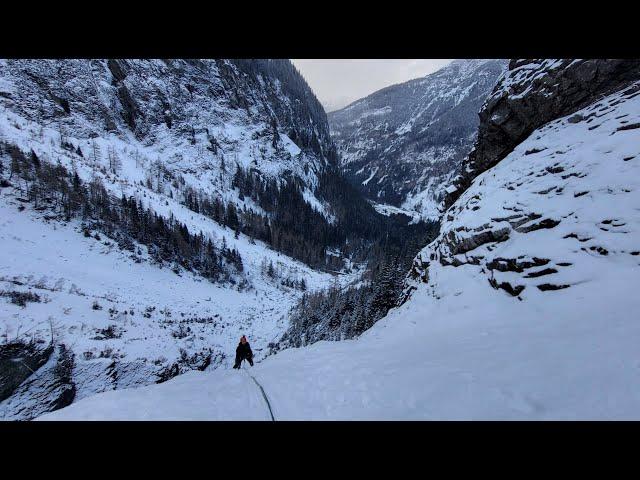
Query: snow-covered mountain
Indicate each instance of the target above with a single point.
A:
(195, 116)
(533, 93)
(523, 307)
(401, 145)
(141, 218)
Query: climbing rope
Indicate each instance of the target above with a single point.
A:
(264, 395)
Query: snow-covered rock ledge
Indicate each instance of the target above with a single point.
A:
(557, 211)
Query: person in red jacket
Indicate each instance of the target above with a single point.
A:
(243, 352)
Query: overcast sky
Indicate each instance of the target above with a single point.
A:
(337, 83)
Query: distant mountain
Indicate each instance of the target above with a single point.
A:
(400, 145)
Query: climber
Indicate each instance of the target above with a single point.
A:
(243, 352)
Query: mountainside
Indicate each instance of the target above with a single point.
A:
(553, 215)
(400, 145)
(145, 207)
(524, 305)
(248, 134)
(191, 114)
(532, 93)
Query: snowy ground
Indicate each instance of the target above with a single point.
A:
(71, 271)
(463, 359)
(389, 210)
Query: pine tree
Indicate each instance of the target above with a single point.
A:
(97, 155)
(270, 270)
(35, 160)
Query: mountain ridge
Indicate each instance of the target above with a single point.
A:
(400, 144)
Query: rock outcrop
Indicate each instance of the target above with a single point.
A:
(545, 213)
(531, 94)
(49, 388)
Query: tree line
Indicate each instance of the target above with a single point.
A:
(169, 242)
(339, 313)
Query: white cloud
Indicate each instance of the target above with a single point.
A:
(338, 82)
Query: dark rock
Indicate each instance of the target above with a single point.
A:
(507, 287)
(540, 273)
(631, 126)
(534, 150)
(49, 388)
(548, 286)
(466, 244)
(130, 110)
(600, 250)
(546, 223)
(554, 169)
(116, 70)
(553, 91)
(17, 362)
(515, 265)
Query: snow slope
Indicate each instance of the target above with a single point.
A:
(155, 314)
(568, 358)
(469, 343)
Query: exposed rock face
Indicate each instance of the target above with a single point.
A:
(17, 362)
(49, 388)
(199, 116)
(142, 96)
(401, 145)
(532, 93)
(561, 206)
(36, 380)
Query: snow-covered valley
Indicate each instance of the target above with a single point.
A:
(124, 316)
(522, 307)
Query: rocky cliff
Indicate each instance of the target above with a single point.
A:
(549, 211)
(532, 93)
